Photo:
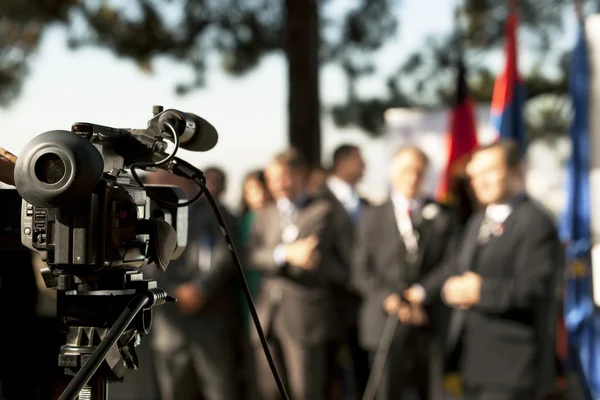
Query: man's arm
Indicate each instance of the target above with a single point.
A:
(335, 254)
(539, 256)
(434, 281)
(262, 256)
(364, 278)
(7, 167)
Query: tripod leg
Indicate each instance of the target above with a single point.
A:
(381, 357)
(91, 365)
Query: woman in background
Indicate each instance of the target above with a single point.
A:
(254, 197)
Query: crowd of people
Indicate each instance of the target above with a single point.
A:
(467, 287)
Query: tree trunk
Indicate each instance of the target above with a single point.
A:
(302, 52)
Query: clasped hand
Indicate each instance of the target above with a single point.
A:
(408, 313)
(303, 253)
(462, 291)
(190, 298)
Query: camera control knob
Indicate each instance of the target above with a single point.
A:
(157, 110)
(40, 238)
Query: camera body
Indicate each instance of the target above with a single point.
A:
(100, 230)
(95, 223)
(83, 211)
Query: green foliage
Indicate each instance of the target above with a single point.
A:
(548, 116)
(186, 31)
(22, 23)
(428, 77)
(241, 32)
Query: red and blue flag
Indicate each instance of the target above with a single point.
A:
(509, 91)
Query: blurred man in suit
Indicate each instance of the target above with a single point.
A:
(398, 244)
(501, 284)
(216, 181)
(315, 180)
(291, 244)
(194, 339)
(345, 353)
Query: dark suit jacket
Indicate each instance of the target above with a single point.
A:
(346, 298)
(510, 334)
(300, 298)
(219, 283)
(379, 265)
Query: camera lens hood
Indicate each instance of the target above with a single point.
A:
(57, 168)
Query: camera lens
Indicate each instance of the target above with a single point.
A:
(50, 168)
(57, 168)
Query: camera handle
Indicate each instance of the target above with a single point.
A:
(97, 387)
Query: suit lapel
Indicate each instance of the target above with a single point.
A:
(388, 218)
(307, 221)
(457, 316)
(424, 227)
(338, 205)
(471, 242)
(508, 227)
(274, 223)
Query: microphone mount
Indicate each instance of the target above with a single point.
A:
(122, 147)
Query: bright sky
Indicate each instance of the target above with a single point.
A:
(250, 113)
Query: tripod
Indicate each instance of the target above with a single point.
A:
(106, 315)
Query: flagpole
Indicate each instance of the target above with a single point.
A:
(578, 5)
(592, 31)
(516, 122)
(459, 29)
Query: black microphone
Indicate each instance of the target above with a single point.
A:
(195, 133)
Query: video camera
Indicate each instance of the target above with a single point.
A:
(86, 211)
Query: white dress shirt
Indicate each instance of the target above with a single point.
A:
(403, 208)
(498, 212)
(289, 210)
(286, 207)
(345, 194)
(402, 204)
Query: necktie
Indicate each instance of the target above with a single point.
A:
(205, 256)
(410, 238)
(289, 230)
(286, 217)
(489, 228)
(355, 214)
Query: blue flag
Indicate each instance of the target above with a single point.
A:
(581, 320)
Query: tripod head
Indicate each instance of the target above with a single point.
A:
(89, 314)
(95, 318)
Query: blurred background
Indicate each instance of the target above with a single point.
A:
(108, 62)
(310, 73)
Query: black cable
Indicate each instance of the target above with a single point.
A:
(381, 355)
(112, 337)
(185, 169)
(240, 270)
